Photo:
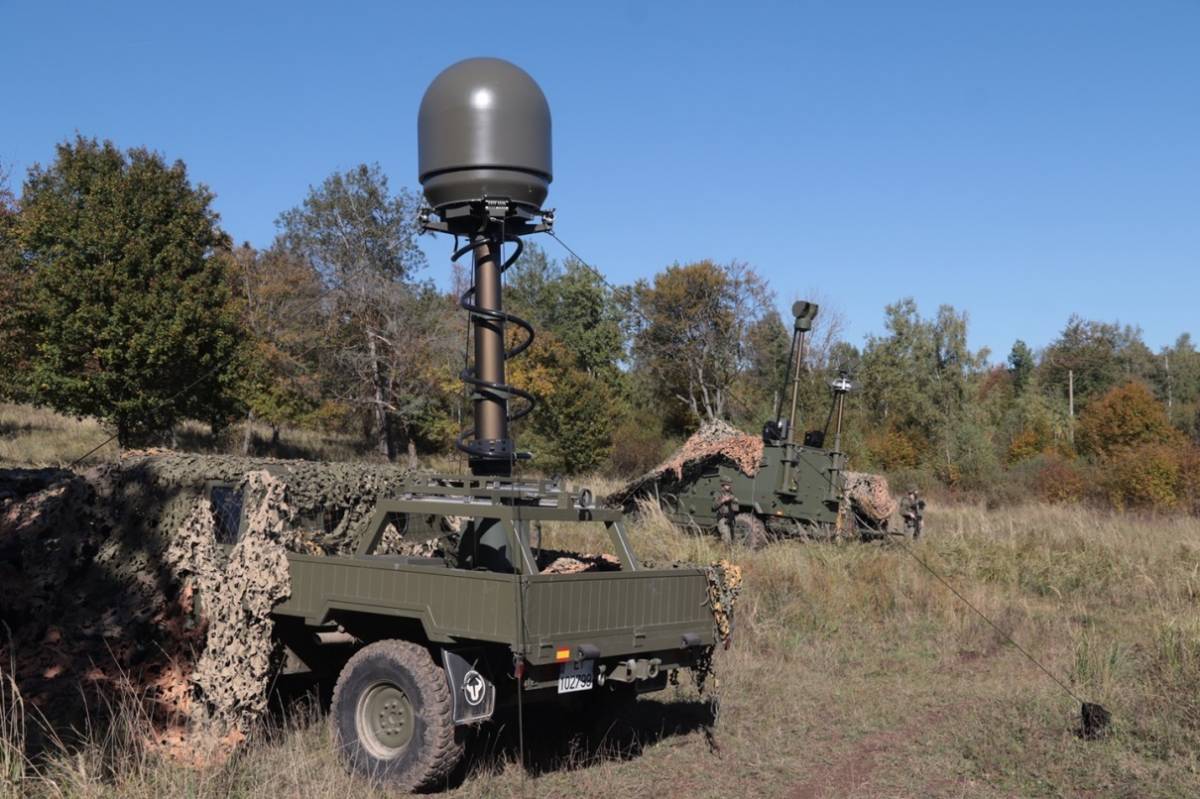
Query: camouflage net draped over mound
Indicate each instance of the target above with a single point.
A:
(98, 573)
(713, 440)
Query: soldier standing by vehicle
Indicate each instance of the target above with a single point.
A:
(726, 506)
(913, 509)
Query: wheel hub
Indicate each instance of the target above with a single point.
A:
(385, 720)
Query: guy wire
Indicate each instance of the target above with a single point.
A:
(905, 547)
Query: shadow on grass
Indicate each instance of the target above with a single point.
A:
(565, 738)
(558, 737)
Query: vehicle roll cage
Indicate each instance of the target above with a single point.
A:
(515, 503)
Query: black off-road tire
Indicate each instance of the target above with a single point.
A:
(392, 717)
(749, 531)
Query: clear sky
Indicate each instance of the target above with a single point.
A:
(1019, 160)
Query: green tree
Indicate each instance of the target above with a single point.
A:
(571, 430)
(572, 302)
(768, 342)
(1033, 424)
(129, 301)
(918, 380)
(16, 343)
(1021, 363)
(527, 281)
(1177, 383)
(1088, 358)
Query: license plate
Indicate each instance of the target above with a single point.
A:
(579, 676)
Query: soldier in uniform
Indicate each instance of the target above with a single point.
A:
(726, 506)
(913, 511)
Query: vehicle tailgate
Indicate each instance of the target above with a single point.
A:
(620, 613)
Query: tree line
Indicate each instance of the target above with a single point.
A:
(124, 299)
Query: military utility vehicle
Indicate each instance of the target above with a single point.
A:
(800, 486)
(441, 642)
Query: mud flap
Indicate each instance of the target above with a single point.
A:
(472, 693)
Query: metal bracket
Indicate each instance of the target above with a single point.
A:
(468, 218)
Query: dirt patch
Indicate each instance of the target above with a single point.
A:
(855, 769)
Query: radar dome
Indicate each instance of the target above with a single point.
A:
(484, 132)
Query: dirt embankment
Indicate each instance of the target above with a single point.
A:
(99, 572)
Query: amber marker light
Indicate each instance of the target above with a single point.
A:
(562, 654)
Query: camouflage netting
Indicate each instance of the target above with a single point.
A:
(98, 572)
(558, 562)
(713, 440)
(724, 586)
(16, 484)
(871, 496)
(237, 595)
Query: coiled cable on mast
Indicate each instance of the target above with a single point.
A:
(489, 389)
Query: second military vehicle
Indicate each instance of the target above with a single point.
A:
(792, 486)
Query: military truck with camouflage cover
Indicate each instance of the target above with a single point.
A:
(426, 603)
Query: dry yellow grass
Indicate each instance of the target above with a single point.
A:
(853, 673)
(39, 437)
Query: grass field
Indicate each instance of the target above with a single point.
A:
(853, 673)
(32, 436)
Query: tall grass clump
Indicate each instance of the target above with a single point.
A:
(12, 738)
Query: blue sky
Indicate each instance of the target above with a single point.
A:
(1021, 161)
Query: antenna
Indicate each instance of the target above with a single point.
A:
(804, 313)
(484, 162)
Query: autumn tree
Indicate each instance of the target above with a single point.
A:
(690, 328)
(1125, 417)
(128, 298)
(279, 296)
(362, 240)
(422, 334)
